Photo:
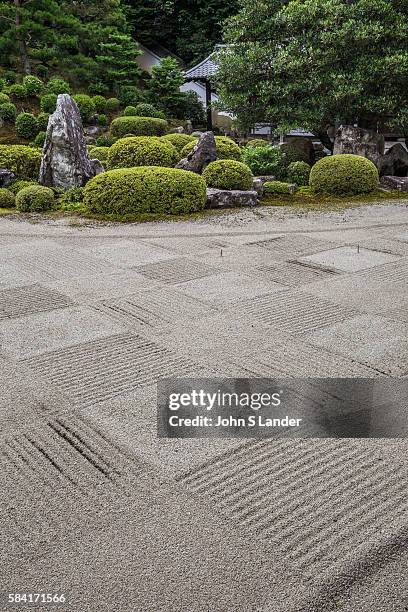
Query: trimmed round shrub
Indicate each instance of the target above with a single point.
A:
(7, 198)
(26, 125)
(148, 110)
(48, 103)
(130, 111)
(228, 174)
(57, 86)
(42, 121)
(226, 148)
(8, 111)
(179, 140)
(102, 120)
(277, 187)
(112, 105)
(4, 98)
(99, 104)
(19, 185)
(85, 105)
(39, 140)
(145, 190)
(344, 175)
(142, 151)
(105, 140)
(35, 199)
(18, 91)
(257, 142)
(33, 85)
(22, 160)
(100, 153)
(139, 126)
(299, 173)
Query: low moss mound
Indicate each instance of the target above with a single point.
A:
(344, 175)
(226, 148)
(7, 198)
(23, 161)
(179, 140)
(139, 126)
(228, 174)
(142, 151)
(35, 199)
(274, 187)
(145, 190)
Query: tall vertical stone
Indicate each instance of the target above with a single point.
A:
(357, 141)
(65, 160)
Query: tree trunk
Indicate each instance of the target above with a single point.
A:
(25, 60)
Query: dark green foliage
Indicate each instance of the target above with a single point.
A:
(85, 105)
(7, 198)
(164, 86)
(112, 105)
(226, 149)
(19, 185)
(344, 175)
(33, 85)
(58, 86)
(145, 190)
(179, 140)
(105, 140)
(228, 174)
(102, 120)
(298, 173)
(48, 103)
(8, 111)
(23, 161)
(99, 103)
(17, 91)
(142, 151)
(270, 160)
(26, 125)
(35, 199)
(39, 140)
(130, 95)
(100, 153)
(130, 111)
(191, 108)
(139, 126)
(4, 98)
(72, 200)
(277, 187)
(42, 121)
(257, 142)
(147, 110)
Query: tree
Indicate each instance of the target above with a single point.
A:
(164, 86)
(317, 63)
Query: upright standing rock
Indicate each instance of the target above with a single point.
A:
(357, 141)
(65, 161)
(202, 154)
(395, 161)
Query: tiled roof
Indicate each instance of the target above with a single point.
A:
(204, 70)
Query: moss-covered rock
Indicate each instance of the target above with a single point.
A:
(228, 174)
(145, 190)
(142, 151)
(344, 175)
(277, 187)
(139, 126)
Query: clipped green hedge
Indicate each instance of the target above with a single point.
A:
(100, 153)
(139, 126)
(145, 190)
(226, 148)
(19, 185)
(48, 103)
(277, 187)
(26, 125)
(23, 161)
(299, 173)
(8, 111)
(35, 199)
(85, 105)
(147, 110)
(344, 175)
(99, 103)
(33, 85)
(39, 140)
(112, 105)
(142, 151)
(42, 121)
(105, 140)
(257, 142)
(179, 140)
(7, 198)
(4, 98)
(228, 174)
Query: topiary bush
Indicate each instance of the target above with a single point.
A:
(299, 173)
(99, 104)
(131, 95)
(228, 174)
(139, 126)
(42, 121)
(19, 185)
(102, 120)
(112, 105)
(105, 140)
(48, 103)
(35, 199)
(33, 85)
(344, 175)
(8, 112)
(17, 91)
(142, 151)
(39, 140)
(148, 110)
(100, 153)
(4, 98)
(23, 161)
(257, 142)
(145, 190)
(277, 187)
(179, 140)
(226, 148)
(57, 86)
(7, 198)
(130, 111)
(26, 125)
(85, 105)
